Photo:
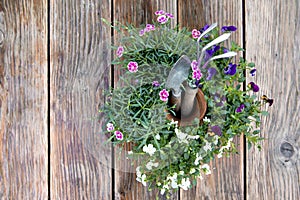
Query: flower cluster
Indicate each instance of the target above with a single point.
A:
(169, 155)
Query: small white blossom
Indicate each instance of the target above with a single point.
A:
(149, 149)
(193, 137)
(220, 155)
(157, 137)
(144, 180)
(174, 122)
(207, 147)
(206, 169)
(198, 158)
(185, 183)
(206, 120)
(181, 173)
(216, 139)
(192, 171)
(150, 164)
(130, 152)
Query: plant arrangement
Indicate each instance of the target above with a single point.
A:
(180, 101)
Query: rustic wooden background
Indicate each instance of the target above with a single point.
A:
(54, 58)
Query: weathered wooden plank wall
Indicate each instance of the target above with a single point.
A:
(79, 68)
(23, 100)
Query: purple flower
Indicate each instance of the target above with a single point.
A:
(210, 73)
(120, 51)
(240, 108)
(253, 72)
(204, 28)
(142, 32)
(132, 66)
(149, 27)
(162, 19)
(197, 74)
(109, 127)
(155, 84)
(213, 50)
(230, 69)
(217, 130)
(159, 12)
(253, 86)
(195, 33)
(228, 28)
(119, 135)
(170, 15)
(225, 50)
(194, 65)
(164, 94)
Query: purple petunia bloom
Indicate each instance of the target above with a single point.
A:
(213, 50)
(119, 135)
(197, 74)
(225, 50)
(164, 94)
(230, 69)
(253, 86)
(253, 72)
(210, 73)
(217, 130)
(240, 108)
(162, 19)
(155, 84)
(204, 28)
(120, 51)
(132, 66)
(228, 28)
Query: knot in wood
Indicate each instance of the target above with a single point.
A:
(287, 149)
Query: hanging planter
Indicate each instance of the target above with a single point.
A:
(179, 102)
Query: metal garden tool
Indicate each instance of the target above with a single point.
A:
(188, 101)
(177, 75)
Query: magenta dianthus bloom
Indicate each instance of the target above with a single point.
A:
(195, 33)
(109, 127)
(194, 65)
(120, 51)
(159, 12)
(197, 74)
(119, 135)
(164, 94)
(132, 66)
(162, 19)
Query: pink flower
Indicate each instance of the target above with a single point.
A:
(142, 32)
(194, 65)
(119, 135)
(155, 84)
(164, 94)
(159, 12)
(149, 27)
(196, 33)
(170, 15)
(197, 74)
(132, 66)
(120, 51)
(162, 19)
(109, 127)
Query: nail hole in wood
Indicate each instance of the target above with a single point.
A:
(287, 149)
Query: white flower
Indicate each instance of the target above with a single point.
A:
(144, 180)
(162, 191)
(220, 154)
(174, 184)
(174, 122)
(216, 139)
(166, 186)
(206, 120)
(150, 164)
(157, 137)
(192, 171)
(182, 137)
(185, 183)
(110, 127)
(130, 152)
(193, 137)
(207, 147)
(149, 149)
(138, 172)
(198, 158)
(206, 169)
(181, 172)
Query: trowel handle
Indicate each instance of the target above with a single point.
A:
(176, 99)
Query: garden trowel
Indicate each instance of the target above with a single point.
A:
(177, 75)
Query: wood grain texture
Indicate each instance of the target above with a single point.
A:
(136, 12)
(273, 43)
(23, 100)
(227, 179)
(80, 167)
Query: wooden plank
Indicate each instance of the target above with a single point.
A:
(80, 167)
(227, 179)
(136, 12)
(273, 43)
(23, 100)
